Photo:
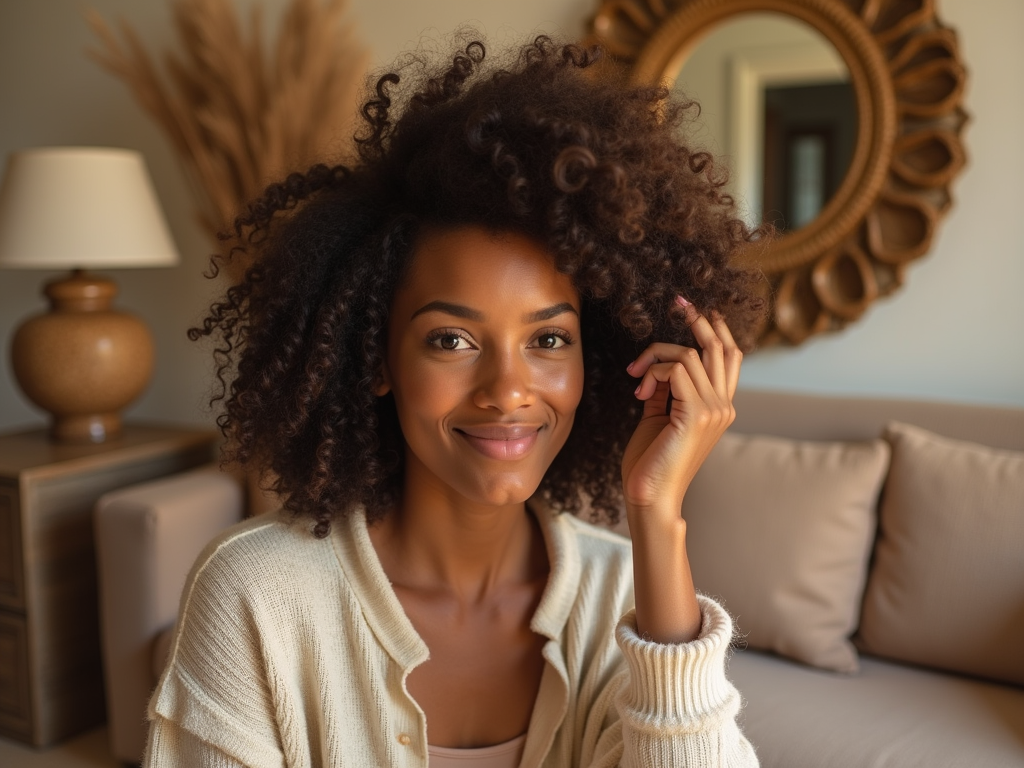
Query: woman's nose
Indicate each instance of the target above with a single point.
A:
(505, 383)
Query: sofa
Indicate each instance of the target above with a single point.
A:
(871, 552)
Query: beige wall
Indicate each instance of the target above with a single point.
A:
(954, 332)
(956, 329)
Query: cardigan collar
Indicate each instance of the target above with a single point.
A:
(384, 612)
(564, 560)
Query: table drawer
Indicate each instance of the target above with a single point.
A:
(12, 591)
(15, 701)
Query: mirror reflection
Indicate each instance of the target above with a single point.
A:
(777, 103)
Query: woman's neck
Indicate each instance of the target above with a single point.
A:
(437, 541)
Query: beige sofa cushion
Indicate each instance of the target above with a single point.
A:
(780, 531)
(947, 586)
(889, 715)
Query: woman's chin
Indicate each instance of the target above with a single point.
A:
(503, 492)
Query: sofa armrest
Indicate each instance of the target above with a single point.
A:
(147, 538)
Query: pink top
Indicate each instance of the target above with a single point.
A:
(505, 755)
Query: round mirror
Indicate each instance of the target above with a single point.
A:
(841, 123)
(777, 105)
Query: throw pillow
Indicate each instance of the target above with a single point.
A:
(947, 586)
(780, 531)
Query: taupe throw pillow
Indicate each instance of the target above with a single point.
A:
(780, 531)
(947, 586)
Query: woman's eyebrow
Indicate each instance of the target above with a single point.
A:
(551, 312)
(458, 310)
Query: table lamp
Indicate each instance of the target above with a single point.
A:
(81, 208)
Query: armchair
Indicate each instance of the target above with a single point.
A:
(147, 537)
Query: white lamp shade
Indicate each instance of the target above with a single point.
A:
(81, 207)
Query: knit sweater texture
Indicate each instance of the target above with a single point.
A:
(294, 651)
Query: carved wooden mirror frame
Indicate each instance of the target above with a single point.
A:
(908, 80)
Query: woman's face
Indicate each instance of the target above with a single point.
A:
(484, 362)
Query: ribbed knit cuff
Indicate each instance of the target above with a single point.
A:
(678, 688)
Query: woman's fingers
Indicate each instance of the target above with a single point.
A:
(694, 399)
(658, 352)
(685, 377)
(656, 364)
(720, 356)
(713, 350)
(732, 354)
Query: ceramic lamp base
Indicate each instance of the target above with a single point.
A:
(83, 361)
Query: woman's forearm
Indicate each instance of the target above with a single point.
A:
(666, 601)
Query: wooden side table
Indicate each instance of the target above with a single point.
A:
(51, 678)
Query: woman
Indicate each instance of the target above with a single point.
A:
(490, 319)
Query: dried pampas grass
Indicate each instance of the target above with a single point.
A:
(239, 116)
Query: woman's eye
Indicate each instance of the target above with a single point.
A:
(450, 342)
(550, 341)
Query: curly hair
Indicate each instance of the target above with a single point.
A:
(592, 168)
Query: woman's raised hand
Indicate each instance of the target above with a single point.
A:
(670, 443)
(666, 450)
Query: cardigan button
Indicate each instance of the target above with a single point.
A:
(404, 739)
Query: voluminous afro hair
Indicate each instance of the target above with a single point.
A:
(595, 170)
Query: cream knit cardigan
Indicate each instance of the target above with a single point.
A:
(293, 651)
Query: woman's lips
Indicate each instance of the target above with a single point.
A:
(499, 442)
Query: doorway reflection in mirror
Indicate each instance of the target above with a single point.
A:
(776, 102)
(809, 137)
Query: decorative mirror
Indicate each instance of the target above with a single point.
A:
(840, 120)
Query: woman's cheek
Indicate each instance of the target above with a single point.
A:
(564, 384)
(574, 380)
(433, 389)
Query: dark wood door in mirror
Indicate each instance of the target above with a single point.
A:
(907, 76)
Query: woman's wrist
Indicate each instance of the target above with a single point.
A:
(656, 519)
(666, 601)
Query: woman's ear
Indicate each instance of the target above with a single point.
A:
(383, 384)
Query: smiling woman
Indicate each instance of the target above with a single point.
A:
(484, 362)
(518, 303)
